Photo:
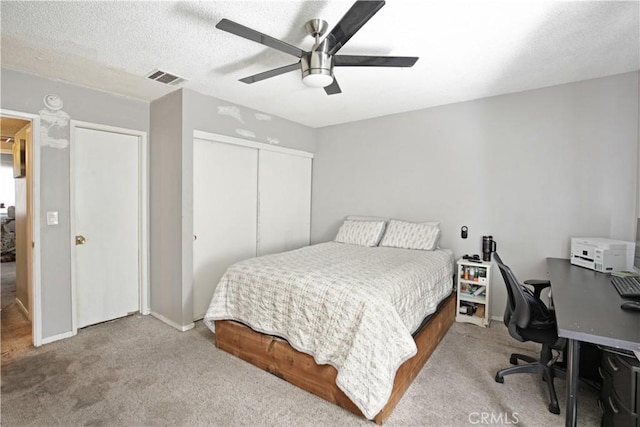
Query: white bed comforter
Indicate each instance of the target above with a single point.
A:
(353, 307)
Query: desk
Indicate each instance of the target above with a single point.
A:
(588, 309)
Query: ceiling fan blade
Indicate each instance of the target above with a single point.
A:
(258, 37)
(374, 61)
(351, 22)
(333, 88)
(271, 73)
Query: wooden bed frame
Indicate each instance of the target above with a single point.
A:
(276, 356)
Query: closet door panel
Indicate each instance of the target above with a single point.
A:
(284, 202)
(225, 190)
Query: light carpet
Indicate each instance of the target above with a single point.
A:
(138, 371)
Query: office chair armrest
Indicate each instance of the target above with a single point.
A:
(538, 285)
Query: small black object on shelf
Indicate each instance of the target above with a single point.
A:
(489, 246)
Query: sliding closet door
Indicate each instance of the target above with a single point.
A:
(284, 202)
(225, 189)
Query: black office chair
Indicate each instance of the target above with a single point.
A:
(529, 319)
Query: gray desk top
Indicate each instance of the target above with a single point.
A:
(588, 307)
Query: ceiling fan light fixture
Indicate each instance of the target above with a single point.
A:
(318, 78)
(317, 67)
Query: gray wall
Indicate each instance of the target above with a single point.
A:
(25, 92)
(165, 209)
(172, 202)
(214, 115)
(532, 169)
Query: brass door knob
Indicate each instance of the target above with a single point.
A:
(80, 240)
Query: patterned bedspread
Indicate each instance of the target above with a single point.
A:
(350, 306)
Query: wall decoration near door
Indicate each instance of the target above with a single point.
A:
(106, 225)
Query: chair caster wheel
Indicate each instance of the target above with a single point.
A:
(554, 409)
(499, 379)
(513, 360)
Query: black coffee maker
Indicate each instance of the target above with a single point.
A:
(488, 247)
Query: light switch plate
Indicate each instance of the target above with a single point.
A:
(52, 218)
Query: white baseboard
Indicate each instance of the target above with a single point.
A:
(172, 323)
(498, 318)
(160, 317)
(22, 308)
(58, 337)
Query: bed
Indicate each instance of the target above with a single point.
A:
(344, 321)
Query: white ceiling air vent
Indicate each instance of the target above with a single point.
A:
(164, 77)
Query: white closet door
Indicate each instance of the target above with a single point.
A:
(284, 202)
(225, 189)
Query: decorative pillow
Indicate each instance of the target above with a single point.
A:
(412, 235)
(363, 233)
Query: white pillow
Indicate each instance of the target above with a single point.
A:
(412, 235)
(363, 233)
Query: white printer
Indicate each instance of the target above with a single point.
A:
(599, 254)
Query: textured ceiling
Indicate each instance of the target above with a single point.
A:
(467, 50)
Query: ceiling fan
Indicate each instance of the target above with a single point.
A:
(317, 64)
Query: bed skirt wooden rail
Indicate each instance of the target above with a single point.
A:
(276, 356)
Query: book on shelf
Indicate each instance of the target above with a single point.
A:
(480, 291)
(472, 290)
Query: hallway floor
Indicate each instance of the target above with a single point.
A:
(15, 327)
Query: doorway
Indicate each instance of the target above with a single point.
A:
(16, 221)
(108, 223)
